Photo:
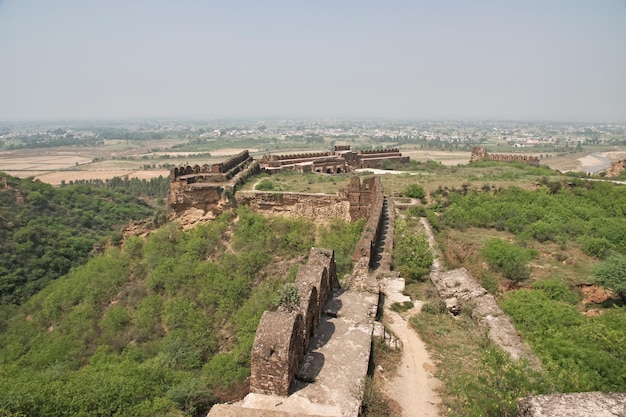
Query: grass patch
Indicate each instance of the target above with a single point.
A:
(478, 378)
(374, 402)
(402, 307)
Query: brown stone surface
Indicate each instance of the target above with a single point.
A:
(277, 352)
(582, 404)
(283, 336)
(321, 208)
(329, 381)
(200, 193)
(372, 188)
(317, 276)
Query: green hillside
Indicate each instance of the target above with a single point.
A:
(163, 326)
(46, 231)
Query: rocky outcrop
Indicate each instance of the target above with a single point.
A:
(616, 169)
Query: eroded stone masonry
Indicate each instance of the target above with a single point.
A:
(341, 159)
(283, 336)
(203, 192)
(356, 201)
(480, 154)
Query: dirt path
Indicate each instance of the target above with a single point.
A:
(414, 387)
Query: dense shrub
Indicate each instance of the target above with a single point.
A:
(598, 247)
(46, 231)
(556, 290)
(612, 274)
(507, 258)
(580, 353)
(265, 185)
(342, 236)
(585, 210)
(415, 191)
(417, 211)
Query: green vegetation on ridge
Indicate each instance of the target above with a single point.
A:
(577, 226)
(163, 326)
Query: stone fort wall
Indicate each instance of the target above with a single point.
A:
(365, 248)
(282, 336)
(352, 203)
(206, 190)
(480, 153)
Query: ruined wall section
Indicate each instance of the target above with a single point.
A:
(279, 160)
(362, 257)
(480, 154)
(458, 286)
(340, 160)
(277, 352)
(282, 336)
(203, 192)
(320, 208)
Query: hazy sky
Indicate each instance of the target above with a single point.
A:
(548, 59)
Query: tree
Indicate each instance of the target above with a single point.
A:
(611, 274)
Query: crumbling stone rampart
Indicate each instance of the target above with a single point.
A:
(282, 336)
(206, 190)
(354, 202)
(340, 160)
(457, 286)
(480, 154)
(363, 254)
(321, 208)
(277, 352)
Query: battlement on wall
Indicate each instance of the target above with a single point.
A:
(372, 192)
(268, 159)
(480, 154)
(219, 172)
(207, 189)
(379, 151)
(282, 336)
(340, 160)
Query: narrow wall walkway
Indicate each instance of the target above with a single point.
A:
(414, 386)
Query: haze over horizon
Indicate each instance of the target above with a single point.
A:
(535, 60)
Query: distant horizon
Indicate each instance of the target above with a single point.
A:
(298, 119)
(356, 59)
